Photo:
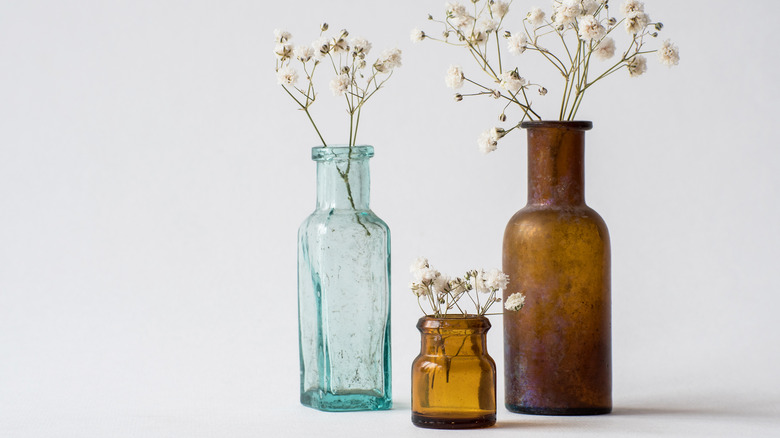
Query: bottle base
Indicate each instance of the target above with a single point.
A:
(363, 401)
(532, 410)
(429, 422)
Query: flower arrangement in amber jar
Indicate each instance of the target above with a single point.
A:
(578, 38)
(444, 295)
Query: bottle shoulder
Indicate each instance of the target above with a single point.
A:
(538, 218)
(321, 221)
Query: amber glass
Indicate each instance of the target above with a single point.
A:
(454, 378)
(556, 250)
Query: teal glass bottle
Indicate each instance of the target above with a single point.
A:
(344, 289)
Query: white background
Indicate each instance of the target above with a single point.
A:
(153, 176)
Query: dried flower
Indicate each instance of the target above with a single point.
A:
(286, 76)
(487, 25)
(418, 264)
(321, 47)
(605, 49)
(418, 289)
(669, 54)
(360, 47)
(340, 84)
(542, 91)
(454, 10)
(566, 12)
(636, 22)
(455, 77)
(441, 284)
(488, 140)
(417, 35)
(637, 65)
(536, 17)
(389, 60)
(495, 279)
(589, 7)
(281, 36)
(512, 82)
(515, 302)
(283, 51)
(631, 6)
(517, 43)
(500, 9)
(303, 53)
(591, 29)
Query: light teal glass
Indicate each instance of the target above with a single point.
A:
(344, 289)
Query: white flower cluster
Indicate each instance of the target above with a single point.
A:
(581, 28)
(354, 76)
(443, 293)
(515, 302)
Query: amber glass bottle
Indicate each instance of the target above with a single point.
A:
(454, 378)
(556, 250)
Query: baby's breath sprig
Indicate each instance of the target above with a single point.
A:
(583, 30)
(354, 78)
(442, 294)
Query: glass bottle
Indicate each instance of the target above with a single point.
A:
(344, 289)
(557, 351)
(453, 378)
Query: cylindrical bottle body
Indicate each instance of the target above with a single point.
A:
(454, 377)
(557, 351)
(344, 294)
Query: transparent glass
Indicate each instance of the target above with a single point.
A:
(344, 289)
(557, 350)
(453, 378)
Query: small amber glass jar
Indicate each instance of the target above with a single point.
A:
(453, 378)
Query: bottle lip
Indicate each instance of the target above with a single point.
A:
(581, 125)
(454, 322)
(341, 152)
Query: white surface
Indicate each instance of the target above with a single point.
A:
(153, 176)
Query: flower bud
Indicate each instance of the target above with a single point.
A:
(496, 94)
(343, 34)
(345, 69)
(612, 21)
(507, 34)
(458, 97)
(654, 34)
(324, 27)
(430, 17)
(659, 26)
(502, 117)
(445, 34)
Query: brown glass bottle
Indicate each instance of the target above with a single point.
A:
(557, 351)
(453, 378)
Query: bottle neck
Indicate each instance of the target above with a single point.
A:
(556, 170)
(453, 336)
(343, 183)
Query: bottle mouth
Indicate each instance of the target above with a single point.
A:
(341, 153)
(580, 125)
(469, 323)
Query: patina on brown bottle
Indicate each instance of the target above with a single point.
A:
(557, 351)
